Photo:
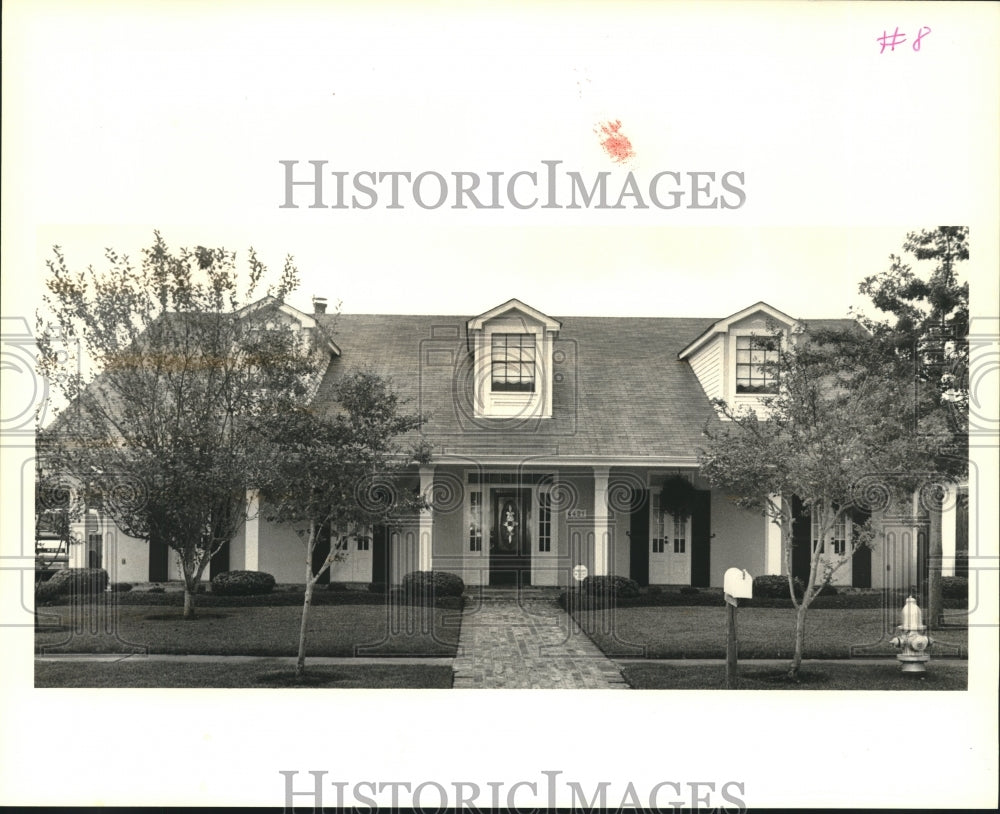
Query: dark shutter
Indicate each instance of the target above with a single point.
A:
(638, 534)
(701, 539)
(380, 555)
(158, 557)
(219, 563)
(801, 540)
(320, 552)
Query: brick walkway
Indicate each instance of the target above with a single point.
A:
(528, 643)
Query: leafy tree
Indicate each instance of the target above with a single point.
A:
(57, 508)
(925, 320)
(839, 420)
(170, 390)
(340, 473)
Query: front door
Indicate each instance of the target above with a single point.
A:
(510, 537)
(670, 546)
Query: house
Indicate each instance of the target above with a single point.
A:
(553, 439)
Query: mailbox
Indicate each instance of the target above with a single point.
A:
(738, 583)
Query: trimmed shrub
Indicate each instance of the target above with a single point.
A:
(79, 581)
(378, 588)
(120, 587)
(46, 592)
(618, 587)
(155, 589)
(774, 586)
(242, 583)
(433, 584)
(597, 591)
(689, 589)
(955, 588)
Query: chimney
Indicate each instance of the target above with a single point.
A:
(319, 305)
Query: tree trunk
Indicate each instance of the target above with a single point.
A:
(300, 662)
(190, 591)
(935, 550)
(800, 636)
(192, 578)
(732, 652)
(189, 595)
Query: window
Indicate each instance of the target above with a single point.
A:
(838, 534)
(659, 531)
(364, 543)
(680, 535)
(513, 363)
(663, 524)
(475, 521)
(544, 520)
(755, 357)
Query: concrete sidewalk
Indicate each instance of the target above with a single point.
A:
(110, 658)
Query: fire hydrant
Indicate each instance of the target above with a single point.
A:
(912, 639)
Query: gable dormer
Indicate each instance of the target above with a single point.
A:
(512, 361)
(728, 357)
(275, 311)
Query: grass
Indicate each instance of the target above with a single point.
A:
(763, 633)
(160, 674)
(335, 630)
(952, 675)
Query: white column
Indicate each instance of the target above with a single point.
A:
(949, 517)
(251, 547)
(602, 530)
(772, 541)
(425, 542)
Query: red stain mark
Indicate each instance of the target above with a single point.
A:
(615, 142)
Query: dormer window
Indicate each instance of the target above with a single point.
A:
(735, 359)
(512, 356)
(756, 357)
(513, 363)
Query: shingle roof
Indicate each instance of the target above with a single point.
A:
(619, 390)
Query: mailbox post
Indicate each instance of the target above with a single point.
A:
(737, 584)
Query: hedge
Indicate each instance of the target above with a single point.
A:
(955, 588)
(775, 586)
(80, 580)
(432, 584)
(242, 583)
(618, 587)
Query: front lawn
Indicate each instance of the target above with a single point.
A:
(160, 674)
(763, 633)
(951, 675)
(334, 630)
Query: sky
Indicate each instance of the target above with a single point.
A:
(642, 271)
(122, 118)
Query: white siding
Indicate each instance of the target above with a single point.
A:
(707, 366)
